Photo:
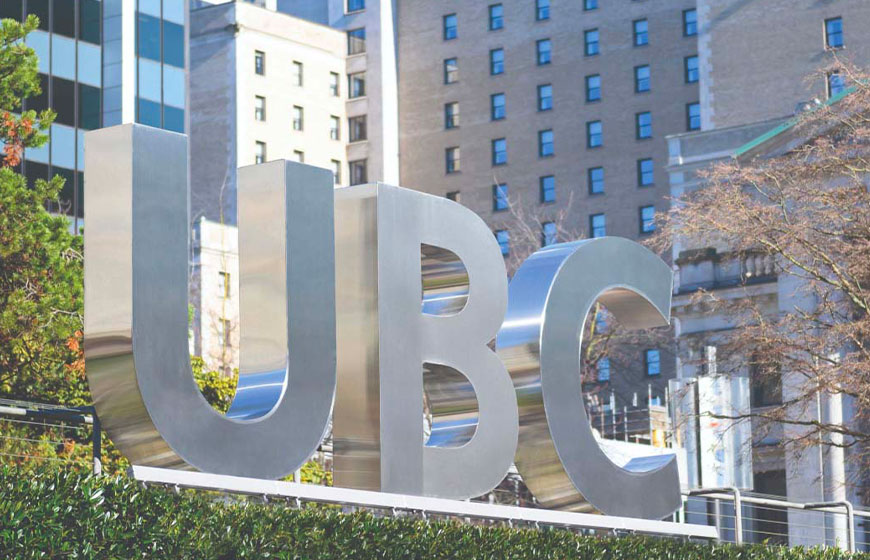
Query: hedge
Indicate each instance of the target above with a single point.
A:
(50, 513)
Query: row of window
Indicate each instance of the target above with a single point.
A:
(64, 18)
(640, 27)
(357, 126)
(652, 365)
(597, 228)
(298, 73)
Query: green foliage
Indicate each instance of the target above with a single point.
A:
(51, 513)
(217, 388)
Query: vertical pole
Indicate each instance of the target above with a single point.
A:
(625, 422)
(738, 517)
(97, 443)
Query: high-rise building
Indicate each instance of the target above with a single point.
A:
(102, 63)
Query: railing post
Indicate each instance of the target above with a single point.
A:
(850, 519)
(738, 516)
(96, 443)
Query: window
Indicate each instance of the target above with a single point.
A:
(545, 143)
(645, 172)
(148, 33)
(224, 286)
(647, 219)
(500, 197)
(496, 61)
(836, 84)
(544, 52)
(542, 10)
(693, 116)
(356, 5)
(259, 152)
(603, 367)
(641, 79)
(336, 171)
(90, 18)
(590, 37)
(593, 88)
(691, 69)
(259, 108)
(690, 22)
(453, 195)
(451, 115)
(834, 33)
(224, 332)
(497, 107)
(643, 125)
(597, 225)
(260, 63)
(595, 180)
(334, 127)
(545, 97)
(357, 84)
(548, 189)
(299, 155)
(356, 41)
(504, 241)
(499, 151)
(450, 31)
(590, 5)
(298, 118)
(652, 359)
(594, 134)
(451, 157)
(451, 70)
(641, 32)
(549, 235)
(358, 173)
(334, 88)
(496, 17)
(297, 73)
(765, 381)
(357, 128)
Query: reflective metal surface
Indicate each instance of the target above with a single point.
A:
(550, 298)
(385, 340)
(136, 345)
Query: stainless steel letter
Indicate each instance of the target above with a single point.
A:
(550, 297)
(385, 338)
(136, 309)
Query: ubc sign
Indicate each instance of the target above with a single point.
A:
(341, 316)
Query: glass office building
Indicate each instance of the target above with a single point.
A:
(102, 63)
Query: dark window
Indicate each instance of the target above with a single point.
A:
(765, 381)
(499, 151)
(34, 171)
(68, 192)
(500, 197)
(356, 41)
(38, 102)
(451, 156)
(590, 38)
(148, 37)
(594, 134)
(603, 367)
(173, 119)
(693, 116)
(641, 32)
(643, 125)
(453, 195)
(548, 189)
(496, 17)
(647, 219)
(544, 49)
(595, 180)
(593, 88)
(259, 152)
(89, 107)
(496, 61)
(690, 22)
(645, 173)
(641, 79)
(38, 8)
(549, 235)
(260, 63)
(358, 172)
(597, 225)
(836, 84)
(11, 9)
(504, 241)
(542, 9)
(545, 97)
(64, 101)
(173, 44)
(834, 33)
(334, 87)
(451, 115)
(451, 70)
(357, 84)
(356, 5)
(357, 128)
(590, 5)
(89, 21)
(653, 362)
(545, 143)
(691, 68)
(497, 107)
(450, 31)
(149, 112)
(64, 18)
